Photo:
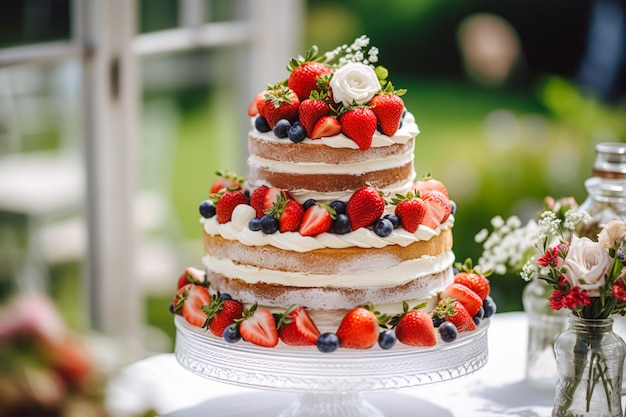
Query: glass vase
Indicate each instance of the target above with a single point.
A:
(544, 325)
(590, 361)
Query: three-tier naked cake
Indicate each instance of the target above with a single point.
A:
(332, 239)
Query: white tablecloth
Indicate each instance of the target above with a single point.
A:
(498, 389)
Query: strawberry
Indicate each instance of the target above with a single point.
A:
(454, 312)
(359, 124)
(280, 103)
(325, 127)
(470, 300)
(311, 110)
(428, 183)
(305, 72)
(258, 326)
(410, 209)
(364, 207)
(414, 327)
(317, 219)
(189, 301)
(264, 197)
(192, 275)
(221, 313)
(226, 203)
(473, 278)
(257, 103)
(358, 329)
(388, 108)
(297, 329)
(438, 209)
(288, 212)
(226, 180)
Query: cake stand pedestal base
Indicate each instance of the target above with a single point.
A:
(331, 405)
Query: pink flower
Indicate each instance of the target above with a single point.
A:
(573, 299)
(551, 256)
(619, 290)
(556, 300)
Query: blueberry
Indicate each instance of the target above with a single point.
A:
(269, 225)
(448, 332)
(281, 128)
(225, 296)
(481, 313)
(341, 224)
(395, 220)
(254, 224)
(327, 342)
(171, 308)
(452, 207)
(383, 227)
(207, 209)
(260, 123)
(387, 339)
(296, 133)
(476, 320)
(490, 307)
(308, 203)
(339, 206)
(231, 333)
(438, 321)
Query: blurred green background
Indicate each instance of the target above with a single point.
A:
(506, 114)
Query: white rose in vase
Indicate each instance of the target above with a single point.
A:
(354, 83)
(586, 265)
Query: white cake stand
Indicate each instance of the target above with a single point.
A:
(330, 384)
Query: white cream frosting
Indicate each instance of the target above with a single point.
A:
(397, 275)
(408, 130)
(238, 229)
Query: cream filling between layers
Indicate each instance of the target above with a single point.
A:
(237, 229)
(394, 276)
(408, 130)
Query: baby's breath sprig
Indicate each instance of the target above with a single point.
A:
(356, 52)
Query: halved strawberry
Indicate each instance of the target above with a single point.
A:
(257, 103)
(359, 329)
(296, 328)
(280, 103)
(410, 209)
(189, 301)
(470, 300)
(388, 108)
(359, 124)
(288, 212)
(473, 278)
(317, 219)
(438, 209)
(364, 207)
(259, 327)
(192, 275)
(226, 180)
(264, 197)
(325, 127)
(428, 183)
(415, 328)
(221, 313)
(226, 203)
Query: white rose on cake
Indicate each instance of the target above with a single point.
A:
(586, 265)
(354, 83)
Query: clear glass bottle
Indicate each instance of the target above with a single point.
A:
(590, 359)
(544, 325)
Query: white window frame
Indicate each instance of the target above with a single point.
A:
(105, 40)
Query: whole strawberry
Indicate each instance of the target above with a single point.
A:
(414, 327)
(311, 110)
(359, 329)
(410, 209)
(288, 212)
(454, 312)
(264, 198)
(226, 203)
(221, 312)
(280, 103)
(388, 108)
(364, 207)
(359, 124)
(305, 72)
(296, 328)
